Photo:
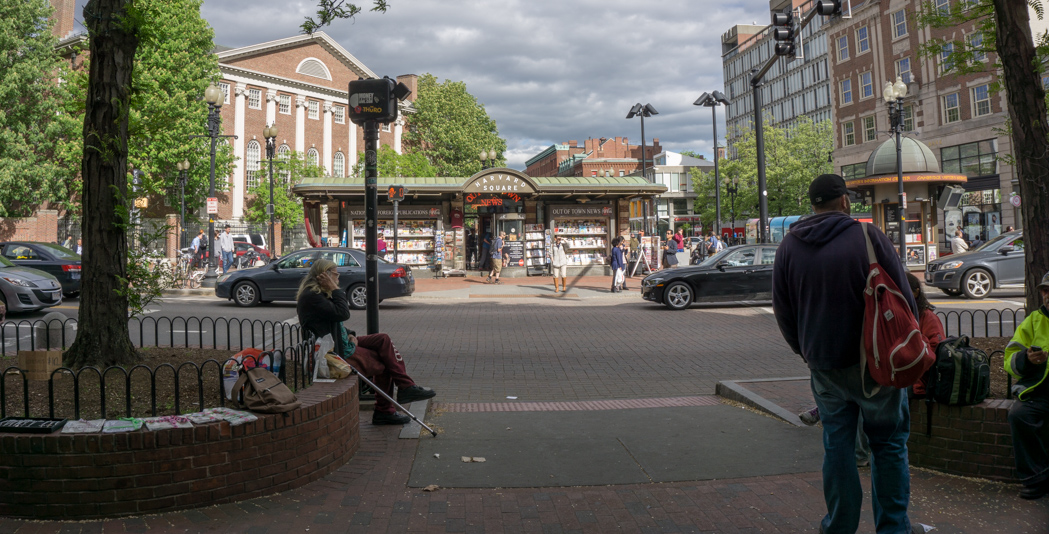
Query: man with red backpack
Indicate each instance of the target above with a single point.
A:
(818, 282)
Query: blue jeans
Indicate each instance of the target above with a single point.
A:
(886, 422)
(227, 260)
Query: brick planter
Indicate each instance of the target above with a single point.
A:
(972, 441)
(84, 476)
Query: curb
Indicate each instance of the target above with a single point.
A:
(733, 390)
(210, 292)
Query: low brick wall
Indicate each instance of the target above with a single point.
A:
(972, 441)
(84, 476)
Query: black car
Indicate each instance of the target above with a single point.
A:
(56, 260)
(995, 264)
(280, 279)
(737, 273)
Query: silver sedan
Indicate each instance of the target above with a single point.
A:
(24, 289)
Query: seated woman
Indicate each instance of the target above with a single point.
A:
(322, 307)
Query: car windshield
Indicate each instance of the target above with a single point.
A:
(715, 258)
(993, 243)
(60, 252)
(6, 262)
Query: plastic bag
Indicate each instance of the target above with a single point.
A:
(337, 367)
(321, 346)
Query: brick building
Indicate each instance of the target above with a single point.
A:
(603, 156)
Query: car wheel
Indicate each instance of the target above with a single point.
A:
(358, 296)
(977, 284)
(246, 294)
(951, 292)
(677, 296)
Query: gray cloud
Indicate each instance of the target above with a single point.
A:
(546, 71)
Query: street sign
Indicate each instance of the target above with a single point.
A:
(396, 193)
(213, 205)
(1015, 201)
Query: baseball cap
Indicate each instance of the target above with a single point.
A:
(1044, 282)
(826, 187)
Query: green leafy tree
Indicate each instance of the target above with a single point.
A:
(287, 171)
(451, 128)
(390, 163)
(1003, 27)
(793, 157)
(115, 30)
(34, 169)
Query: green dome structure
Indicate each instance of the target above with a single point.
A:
(917, 158)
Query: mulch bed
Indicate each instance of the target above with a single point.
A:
(90, 407)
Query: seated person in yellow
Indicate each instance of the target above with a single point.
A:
(1029, 417)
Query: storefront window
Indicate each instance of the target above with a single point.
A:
(981, 215)
(972, 159)
(851, 172)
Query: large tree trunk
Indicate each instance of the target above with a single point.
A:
(1030, 132)
(102, 333)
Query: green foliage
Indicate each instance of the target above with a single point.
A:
(148, 274)
(390, 163)
(793, 157)
(37, 162)
(330, 10)
(287, 171)
(451, 128)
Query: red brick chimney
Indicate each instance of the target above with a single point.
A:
(63, 17)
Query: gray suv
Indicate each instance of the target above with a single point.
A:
(995, 264)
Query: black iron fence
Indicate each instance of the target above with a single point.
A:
(982, 323)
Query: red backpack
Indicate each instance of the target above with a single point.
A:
(893, 349)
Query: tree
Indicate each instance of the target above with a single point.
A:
(451, 128)
(34, 170)
(115, 29)
(794, 156)
(413, 164)
(287, 171)
(1005, 28)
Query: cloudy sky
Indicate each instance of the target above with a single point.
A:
(547, 71)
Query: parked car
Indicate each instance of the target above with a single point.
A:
(240, 247)
(24, 289)
(255, 239)
(56, 260)
(996, 264)
(737, 273)
(280, 279)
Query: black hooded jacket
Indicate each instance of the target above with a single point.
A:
(817, 287)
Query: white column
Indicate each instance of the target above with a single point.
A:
(271, 106)
(300, 125)
(351, 160)
(398, 129)
(237, 192)
(326, 158)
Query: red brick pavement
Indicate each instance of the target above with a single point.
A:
(370, 494)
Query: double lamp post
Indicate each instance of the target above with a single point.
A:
(214, 97)
(893, 93)
(643, 111)
(713, 100)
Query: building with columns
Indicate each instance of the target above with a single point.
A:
(300, 84)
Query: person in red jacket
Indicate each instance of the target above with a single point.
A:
(929, 324)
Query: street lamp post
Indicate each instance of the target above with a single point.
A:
(713, 100)
(270, 133)
(643, 111)
(893, 93)
(214, 97)
(488, 159)
(183, 170)
(732, 187)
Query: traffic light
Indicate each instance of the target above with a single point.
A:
(828, 8)
(375, 99)
(784, 32)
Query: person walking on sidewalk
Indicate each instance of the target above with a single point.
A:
(226, 248)
(958, 244)
(496, 253)
(559, 262)
(618, 264)
(818, 280)
(1025, 360)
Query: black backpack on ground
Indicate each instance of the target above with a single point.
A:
(961, 375)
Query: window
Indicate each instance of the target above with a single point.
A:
(251, 163)
(225, 92)
(903, 69)
(866, 85)
(255, 98)
(284, 154)
(870, 130)
(768, 256)
(338, 167)
(946, 62)
(943, 7)
(848, 132)
(972, 159)
(851, 172)
(386, 127)
(312, 157)
(284, 103)
(299, 260)
(981, 100)
(339, 114)
(951, 112)
(899, 23)
(740, 258)
(863, 42)
(908, 119)
(846, 92)
(843, 48)
(314, 109)
(976, 46)
(340, 259)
